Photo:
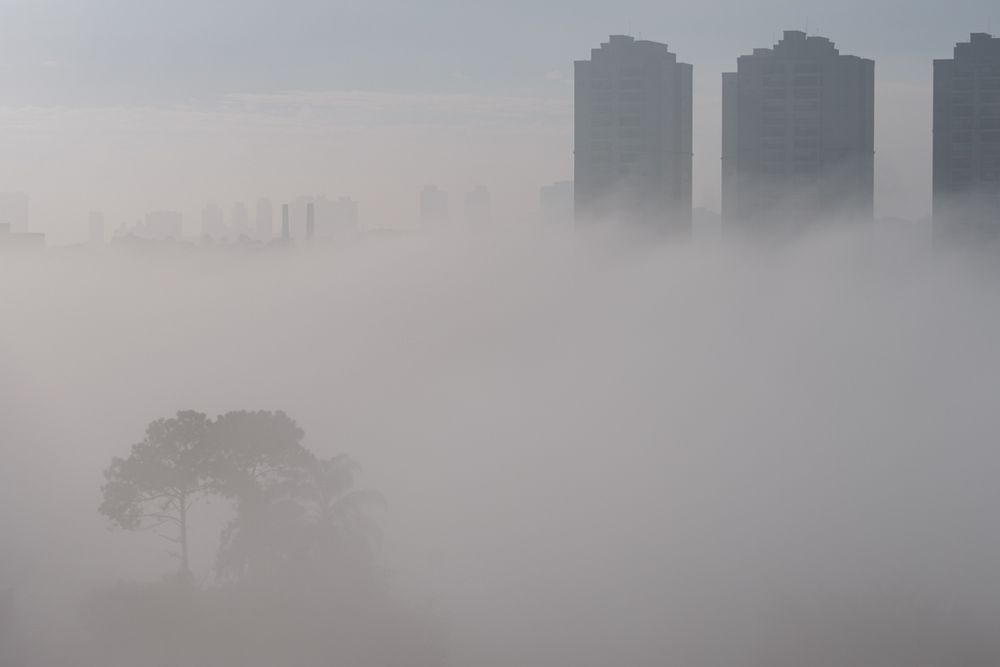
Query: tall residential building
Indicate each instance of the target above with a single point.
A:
(433, 208)
(798, 137)
(967, 142)
(633, 137)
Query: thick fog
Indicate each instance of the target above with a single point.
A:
(702, 454)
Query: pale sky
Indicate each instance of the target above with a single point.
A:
(133, 105)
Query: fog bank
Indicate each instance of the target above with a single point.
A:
(590, 456)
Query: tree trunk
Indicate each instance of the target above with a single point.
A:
(185, 568)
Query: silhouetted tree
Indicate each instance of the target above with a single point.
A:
(338, 522)
(259, 461)
(164, 474)
(295, 514)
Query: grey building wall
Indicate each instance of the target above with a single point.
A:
(798, 126)
(633, 149)
(966, 203)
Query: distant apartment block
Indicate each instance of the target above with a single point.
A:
(966, 204)
(633, 150)
(798, 137)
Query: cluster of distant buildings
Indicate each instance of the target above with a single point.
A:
(798, 136)
(304, 218)
(798, 131)
(301, 220)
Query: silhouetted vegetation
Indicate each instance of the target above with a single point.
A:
(296, 570)
(162, 477)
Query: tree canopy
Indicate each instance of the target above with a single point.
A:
(295, 514)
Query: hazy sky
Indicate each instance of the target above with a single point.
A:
(131, 105)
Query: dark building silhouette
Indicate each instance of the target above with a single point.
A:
(555, 204)
(433, 208)
(286, 225)
(798, 137)
(967, 142)
(310, 221)
(633, 136)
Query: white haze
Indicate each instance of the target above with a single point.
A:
(686, 455)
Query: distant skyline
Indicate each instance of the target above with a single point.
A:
(132, 106)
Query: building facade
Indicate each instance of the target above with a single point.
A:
(798, 138)
(966, 203)
(633, 152)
